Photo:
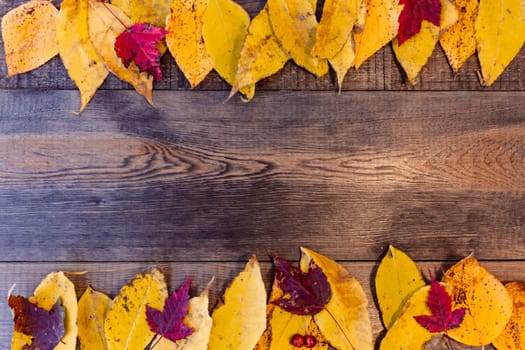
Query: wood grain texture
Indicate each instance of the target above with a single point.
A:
(440, 174)
(109, 278)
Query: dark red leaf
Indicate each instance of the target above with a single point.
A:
(413, 13)
(169, 323)
(305, 293)
(440, 305)
(45, 327)
(138, 44)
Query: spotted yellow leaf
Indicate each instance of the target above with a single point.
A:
(513, 336)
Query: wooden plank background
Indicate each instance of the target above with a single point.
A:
(195, 186)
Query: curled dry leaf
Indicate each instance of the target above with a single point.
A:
(125, 326)
(83, 64)
(500, 34)
(92, 309)
(459, 42)
(106, 23)
(240, 321)
(185, 41)
(397, 278)
(487, 303)
(513, 336)
(29, 33)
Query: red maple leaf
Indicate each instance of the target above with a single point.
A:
(138, 44)
(413, 13)
(305, 293)
(169, 323)
(440, 304)
(46, 328)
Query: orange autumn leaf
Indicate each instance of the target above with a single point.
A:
(513, 336)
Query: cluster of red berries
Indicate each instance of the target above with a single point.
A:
(299, 341)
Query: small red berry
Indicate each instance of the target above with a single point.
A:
(310, 341)
(297, 340)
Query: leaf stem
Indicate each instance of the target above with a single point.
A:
(114, 15)
(339, 326)
(154, 341)
(449, 342)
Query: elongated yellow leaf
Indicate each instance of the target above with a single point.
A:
(92, 309)
(500, 33)
(397, 278)
(224, 29)
(55, 286)
(241, 320)
(105, 24)
(29, 33)
(150, 11)
(487, 303)
(185, 41)
(414, 53)
(295, 25)
(406, 333)
(261, 54)
(344, 321)
(459, 42)
(126, 327)
(335, 27)
(513, 336)
(381, 26)
(343, 60)
(83, 64)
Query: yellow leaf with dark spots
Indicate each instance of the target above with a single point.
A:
(487, 302)
(513, 336)
(126, 327)
(83, 64)
(29, 32)
(106, 22)
(92, 309)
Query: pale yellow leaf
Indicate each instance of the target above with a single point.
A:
(406, 333)
(126, 327)
(83, 64)
(150, 11)
(240, 321)
(487, 303)
(336, 25)
(500, 33)
(92, 309)
(124, 5)
(295, 25)
(459, 42)
(185, 41)
(224, 28)
(397, 278)
(55, 286)
(105, 24)
(29, 35)
(381, 26)
(344, 321)
(513, 336)
(261, 54)
(343, 60)
(414, 53)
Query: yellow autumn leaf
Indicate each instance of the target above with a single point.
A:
(295, 25)
(125, 326)
(261, 54)
(343, 60)
(381, 26)
(397, 278)
(105, 24)
(513, 336)
(92, 309)
(29, 35)
(500, 33)
(360, 21)
(344, 321)
(459, 42)
(55, 286)
(335, 27)
(225, 25)
(240, 321)
(83, 64)
(487, 303)
(185, 41)
(414, 53)
(406, 333)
